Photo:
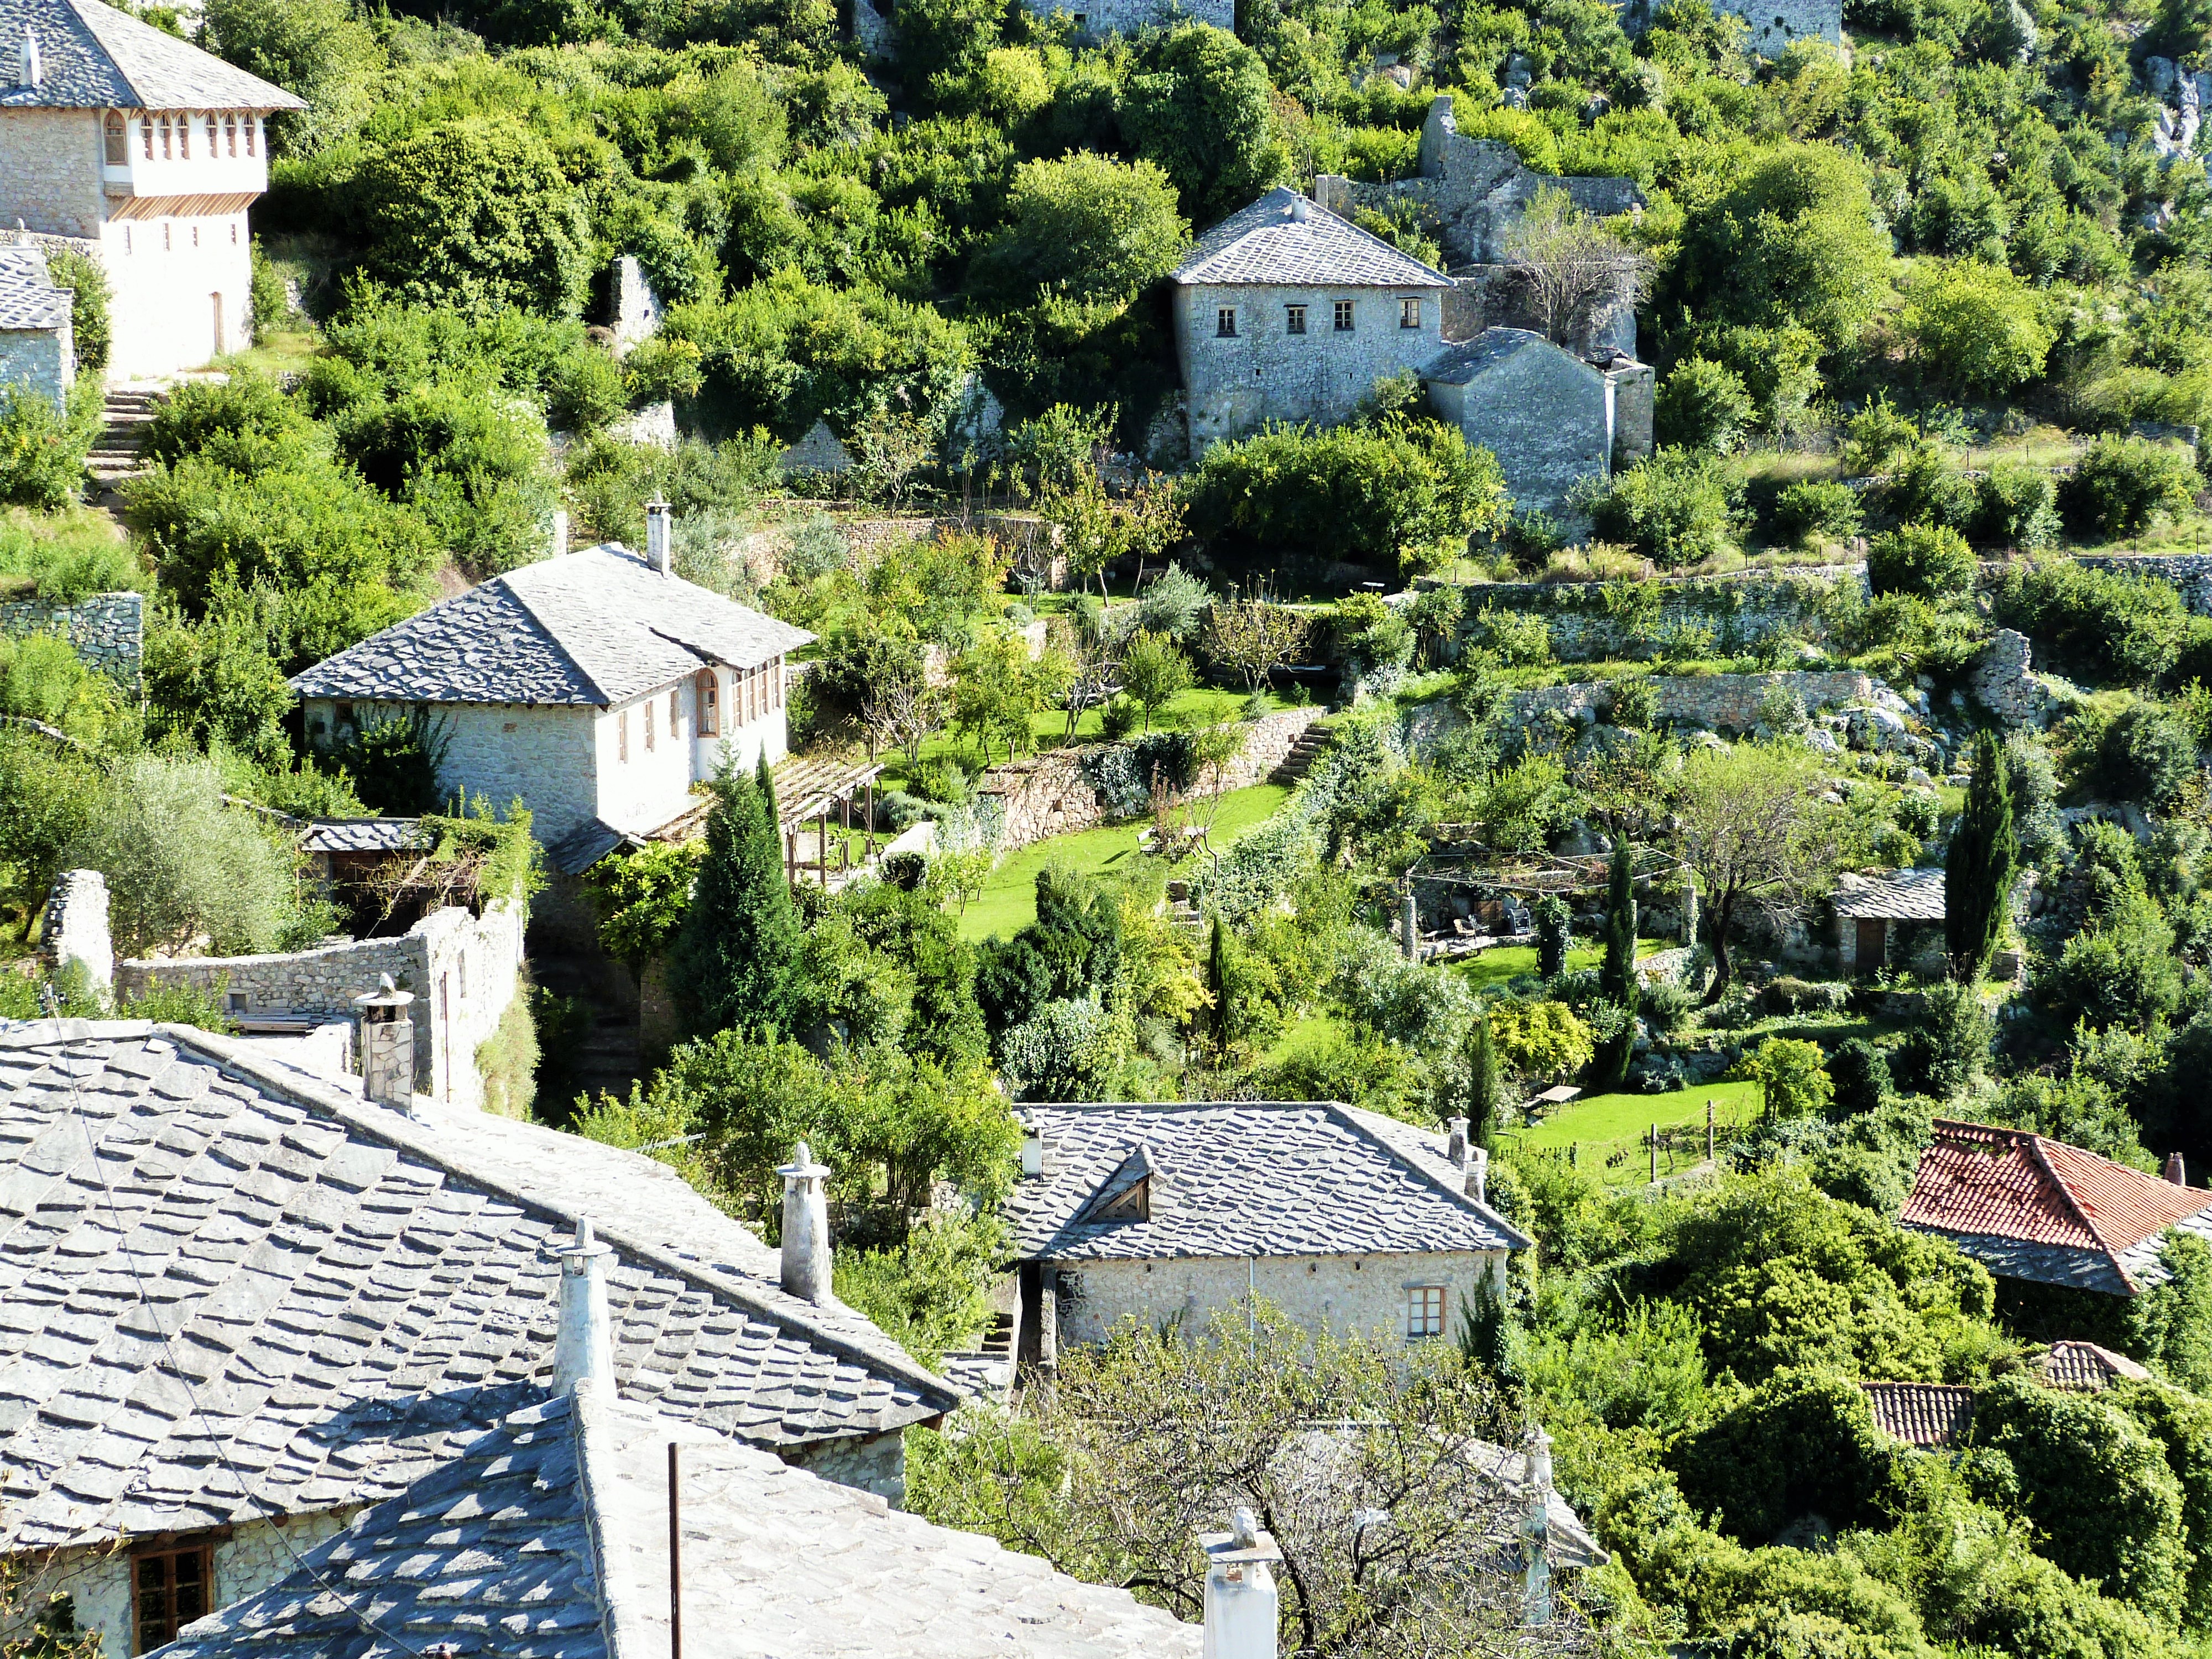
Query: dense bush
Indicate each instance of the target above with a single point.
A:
(1703, 405)
(1677, 508)
(2121, 628)
(1928, 560)
(2018, 506)
(2123, 485)
(42, 447)
(1806, 513)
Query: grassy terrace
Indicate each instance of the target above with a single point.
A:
(1598, 1119)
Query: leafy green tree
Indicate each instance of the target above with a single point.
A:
(1859, 1074)
(395, 763)
(1552, 918)
(643, 898)
(1676, 507)
(319, 49)
(1982, 862)
(1803, 1441)
(1485, 1090)
(1703, 405)
(737, 952)
(1974, 326)
(1086, 228)
(944, 45)
(1755, 834)
(91, 330)
(1154, 672)
(1197, 104)
(2124, 484)
(1932, 560)
(1792, 1077)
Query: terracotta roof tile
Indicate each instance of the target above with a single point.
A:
(1920, 1413)
(2086, 1366)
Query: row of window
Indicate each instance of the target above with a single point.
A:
(174, 135)
(753, 693)
(1294, 318)
(168, 236)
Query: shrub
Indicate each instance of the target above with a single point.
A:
(1676, 507)
(1800, 1443)
(1703, 405)
(1974, 325)
(1927, 487)
(508, 1059)
(395, 764)
(65, 557)
(1949, 1044)
(2125, 628)
(1520, 638)
(2123, 485)
(1809, 513)
(1859, 1073)
(2018, 506)
(1792, 1077)
(2146, 752)
(1928, 560)
(42, 447)
(1787, 995)
(91, 332)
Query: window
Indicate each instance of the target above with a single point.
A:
(1409, 313)
(184, 137)
(169, 1589)
(253, 123)
(146, 132)
(775, 679)
(166, 229)
(165, 138)
(645, 719)
(1134, 1205)
(126, 239)
(1344, 316)
(118, 141)
(622, 737)
(673, 729)
(1425, 1311)
(710, 704)
(212, 151)
(1225, 323)
(229, 135)
(1294, 319)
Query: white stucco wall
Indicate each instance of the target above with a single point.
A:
(1364, 1293)
(644, 785)
(181, 291)
(742, 739)
(250, 1559)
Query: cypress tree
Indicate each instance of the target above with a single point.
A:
(1977, 872)
(1483, 1085)
(1216, 985)
(1552, 919)
(737, 952)
(1617, 977)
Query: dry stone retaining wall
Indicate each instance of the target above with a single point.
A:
(107, 631)
(1723, 702)
(1741, 610)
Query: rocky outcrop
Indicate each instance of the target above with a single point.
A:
(2003, 684)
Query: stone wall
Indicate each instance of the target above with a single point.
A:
(1033, 541)
(2190, 573)
(75, 928)
(1542, 411)
(1096, 17)
(41, 360)
(1587, 625)
(1773, 23)
(462, 968)
(1048, 795)
(107, 631)
(2004, 681)
(874, 1463)
(52, 181)
(637, 308)
(1728, 702)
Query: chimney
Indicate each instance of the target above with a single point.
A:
(32, 71)
(1477, 1172)
(658, 523)
(1537, 1531)
(387, 1047)
(2176, 1170)
(560, 532)
(1032, 1154)
(585, 1347)
(1301, 210)
(805, 1226)
(1456, 1146)
(1240, 1591)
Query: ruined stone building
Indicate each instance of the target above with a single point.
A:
(1550, 416)
(144, 152)
(38, 343)
(1774, 24)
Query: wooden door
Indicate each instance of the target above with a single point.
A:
(1873, 943)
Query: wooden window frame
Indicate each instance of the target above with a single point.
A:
(252, 126)
(710, 704)
(1425, 1312)
(230, 134)
(115, 139)
(214, 149)
(1342, 316)
(622, 737)
(674, 718)
(1294, 319)
(165, 1620)
(146, 131)
(1409, 312)
(1224, 322)
(645, 719)
(167, 154)
(775, 680)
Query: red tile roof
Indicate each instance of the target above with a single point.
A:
(2086, 1366)
(1920, 1413)
(2007, 1183)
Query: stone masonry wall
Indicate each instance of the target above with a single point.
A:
(1773, 23)
(1741, 610)
(1723, 702)
(52, 181)
(874, 1463)
(2190, 573)
(107, 631)
(75, 925)
(40, 360)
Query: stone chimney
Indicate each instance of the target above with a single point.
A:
(2176, 1170)
(1456, 1146)
(1032, 1153)
(1476, 1173)
(1301, 210)
(76, 927)
(1240, 1591)
(1536, 1530)
(560, 536)
(31, 69)
(387, 1047)
(659, 522)
(805, 1226)
(585, 1348)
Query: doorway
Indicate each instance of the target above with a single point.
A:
(1873, 945)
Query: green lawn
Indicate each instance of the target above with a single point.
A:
(1503, 962)
(1008, 902)
(1597, 1118)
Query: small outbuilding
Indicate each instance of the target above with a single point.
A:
(2088, 1367)
(37, 345)
(1888, 921)
(1923, 1415)
(1550, 417)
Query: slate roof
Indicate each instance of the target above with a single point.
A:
(1266, 245)
(97, 57)
(363, 835)
(348, 1289)
(1245, 1178)
(1905, 895)
(28, 299)
(593, 628)
(2027, 1208)
(545, 1537)
(1465, 363)
(2087, 1366)
(1923, 1415)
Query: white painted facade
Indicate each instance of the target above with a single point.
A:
(1369, 1294)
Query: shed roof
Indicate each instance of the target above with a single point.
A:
(216, 1269)
(1284, 241)
(2028, 1207)
(544, 1536)
(2087, 1366)
(1245, 1178)
(1468, 361)
(29, 301)
(363, 835)
(1902, 895)
(593, 627)
(97, 57)
(1921, 1414)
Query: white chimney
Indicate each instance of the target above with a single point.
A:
(1477, 1169)
(560, 532)
(659, 521)
(387, 1046)
(1456, 1146)
(805, 1226)
(1032, 1154)
(2176, 1170)
(1300, 208)
(32, 71)
(586, 1346)
(1240, 1591)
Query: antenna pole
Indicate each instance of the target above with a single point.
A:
(675, 1564)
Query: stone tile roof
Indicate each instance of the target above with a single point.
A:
(1269, 245)
(1465, 363)
(97, 57)
(2087, 1366)
(1921, 1414)
(593, 627)
(347, 1288)
(1246, 1178)
(1905, 895)
(28, 299)
(545, 1537)
(2027, 1208)
(363, 835)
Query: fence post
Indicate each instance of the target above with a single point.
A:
(1654, 1154)
(1709, 1132)
(1574, 1155)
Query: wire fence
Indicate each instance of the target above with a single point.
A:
(1656, 1152)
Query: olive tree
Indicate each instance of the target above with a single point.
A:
(1756, 835)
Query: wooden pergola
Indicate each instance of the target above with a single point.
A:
(808, 787)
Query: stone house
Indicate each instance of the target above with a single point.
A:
(38, 341)
(245, 1307)
(600, 687)
(1284, 311)
(1098, 18)
(146, 152)
(1343, 1219)
(1550, 417)
(1891, 920)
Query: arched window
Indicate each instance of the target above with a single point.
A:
(165, 151)
(253, 123)
(229, 134)
(118, 153)
(212, 151)
(184, 137)
(146, 132)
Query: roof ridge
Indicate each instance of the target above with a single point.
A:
(304, 1091)
(621, 1617)
(552, 637)
(1350, 1115)
(2036, 1150)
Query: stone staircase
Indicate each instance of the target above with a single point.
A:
(1296, 764)
(117, 455)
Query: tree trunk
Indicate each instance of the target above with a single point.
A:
(1722, 912)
